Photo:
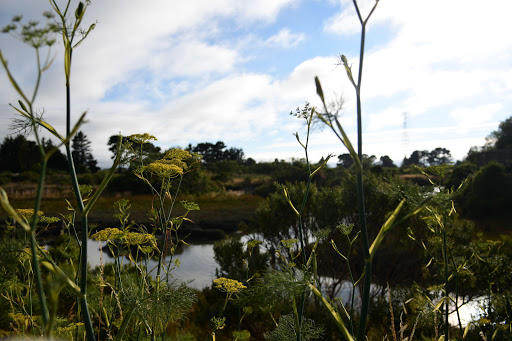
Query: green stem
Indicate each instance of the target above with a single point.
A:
(445, 256)
(361, 207)
(301, 228)
(37, 206)
(360, 189)
(39, 280)
(124, 324)
(333, 313)
(347, 260)
(33, 243)
(457, 298)
(85, 227)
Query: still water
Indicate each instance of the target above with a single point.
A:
(197, 263)
(197, 267)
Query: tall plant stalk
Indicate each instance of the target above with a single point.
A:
(333, 123)
(37, 38)
(68, 35)
(306, 113)
(359, 174)
(360, 186)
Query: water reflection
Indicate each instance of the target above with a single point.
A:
(197, 263)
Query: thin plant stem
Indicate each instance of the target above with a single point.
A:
(84, 222)
(360, 187)
(301, 226)
(457, 297)
(39, 195)
(445, 256)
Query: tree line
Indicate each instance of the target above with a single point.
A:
(17, 154)
(487, 188)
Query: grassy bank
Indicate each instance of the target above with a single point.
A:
(222, 212)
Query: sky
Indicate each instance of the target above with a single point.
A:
(436, 73)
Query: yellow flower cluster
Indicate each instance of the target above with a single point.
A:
(164, 168)
(141, 138)
(178, 154)
(135, 238)
(146, 241)
(108, 234)
(289, 243)
(27, 213)
(172, 164)
(230, 286)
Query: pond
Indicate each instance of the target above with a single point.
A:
(197, 263)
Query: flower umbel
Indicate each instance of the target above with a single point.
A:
(164, 169)
(227, 285)
(27, 213)
(141, 138)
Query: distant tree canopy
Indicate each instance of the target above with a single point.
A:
(150, 152)
(217, 152)
(498, 147)
(112, 143)
(17, 154)
(488, 193)
(82, 155)
(385, 161)
(502, 138)
(346, 161)
(425, 158)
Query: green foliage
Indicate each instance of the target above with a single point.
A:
(212, 153)
(425, 158)
(239, 262)
(502, 138)
(487, 193)
(17, 154)
(82, 154)
(460, 174)
(316, 226)
(387, 162)
(286, 330)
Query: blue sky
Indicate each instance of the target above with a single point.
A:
(436, 73)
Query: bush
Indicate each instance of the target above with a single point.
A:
(27, 176)
(488, 194)
(5, 177)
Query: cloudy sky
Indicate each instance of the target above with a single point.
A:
(437, 73)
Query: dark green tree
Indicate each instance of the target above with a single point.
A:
(345, 160)
(17, 154)
(112, 144)
(502, 137)
(58, 160)
(234, 154)
(460, 173)
(439, 156)
(368, 161)
(82, 155)
(489, 193)
(209, 151)
(418, 157)
(387, 162)
(149, 150)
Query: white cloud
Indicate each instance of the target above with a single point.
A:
(347, 22)
(468, 118)
(182, 72)
(286, 39)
